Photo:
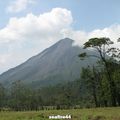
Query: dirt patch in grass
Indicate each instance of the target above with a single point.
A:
(99, 118)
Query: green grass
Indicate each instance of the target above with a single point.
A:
(78, 114)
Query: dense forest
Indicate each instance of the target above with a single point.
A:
(99, 85)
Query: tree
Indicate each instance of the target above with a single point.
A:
(2, 95)
(92, 81)
(102, 46)
(21, 96)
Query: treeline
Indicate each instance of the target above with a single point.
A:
(20, 97)
(99, 85)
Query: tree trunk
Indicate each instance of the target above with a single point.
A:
(112, 86)
(111, 82)
(118, 99)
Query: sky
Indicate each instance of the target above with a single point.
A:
(29, 26)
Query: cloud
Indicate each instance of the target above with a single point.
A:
(36, 27)
(29, 35)
(80, 37)
(26, 36)
(19, 5)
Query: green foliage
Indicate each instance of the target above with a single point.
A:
(95, 42)
(82, 55)
(109, 57)
(2, 95)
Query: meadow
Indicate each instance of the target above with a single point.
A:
(77, 114)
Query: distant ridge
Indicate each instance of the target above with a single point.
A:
(56, 64)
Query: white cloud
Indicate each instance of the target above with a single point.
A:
(29, 35)
(80, 37)
(26, 36)
(35, 27)
(19, 5)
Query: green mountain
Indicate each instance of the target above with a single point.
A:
(57, 64)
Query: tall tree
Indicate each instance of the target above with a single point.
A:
(2, 95)
(102, 46)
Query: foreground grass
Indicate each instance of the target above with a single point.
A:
(78, 114)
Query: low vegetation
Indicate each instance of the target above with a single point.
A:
(77, 114)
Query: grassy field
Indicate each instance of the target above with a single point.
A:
(78, 114)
